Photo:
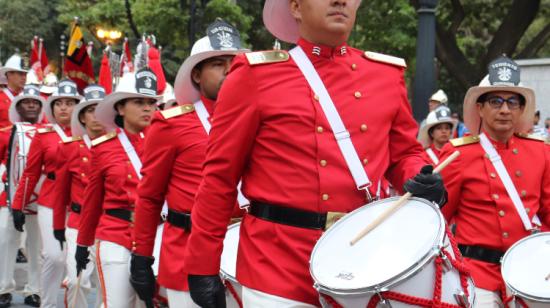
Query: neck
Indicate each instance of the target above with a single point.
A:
(132, 129)
(93, 133)
(30, 120)
(14, 88)
(500, 136)
(330, 41)
(438, 145)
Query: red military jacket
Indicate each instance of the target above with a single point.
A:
(70, 181)
(112, 185)
(270, 130)
(41, 159)
(5, 134)
(175, 148)
(5, 102)
(479, 204)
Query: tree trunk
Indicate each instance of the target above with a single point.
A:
(131, 19)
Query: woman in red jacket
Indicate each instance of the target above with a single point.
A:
(40, 172)
(109, 198)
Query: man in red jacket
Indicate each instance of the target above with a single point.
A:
(302, 148)
(16, 76)
(496, 195)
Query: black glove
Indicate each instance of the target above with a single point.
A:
(60, 236)
(142, 277)
(427, 185)
(18, 219)
(81, 257)
(207, 291)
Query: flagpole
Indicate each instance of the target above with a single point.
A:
(62, 53)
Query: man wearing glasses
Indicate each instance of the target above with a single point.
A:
(496, 195)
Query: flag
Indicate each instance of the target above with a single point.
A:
(126, 62)
(156, 67)
(78, 65)
(105, 77)
(39, 59)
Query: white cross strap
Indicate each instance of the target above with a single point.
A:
(8, 93)
(496, 160)
(60, 133)
(130, 152)
(341, 134)
(87, 141)
(432, 156)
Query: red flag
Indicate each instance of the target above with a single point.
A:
(126, 58)
(156, 67)
(105, 77)
(78, 65)
(39, 59)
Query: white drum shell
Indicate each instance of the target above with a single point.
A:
(525, 267)
(415, 278)
(228, 264)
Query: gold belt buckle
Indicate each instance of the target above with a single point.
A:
(332, 218)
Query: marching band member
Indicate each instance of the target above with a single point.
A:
(175, 148)
(26, 107)
(16, 76)
(41, 165)
(436, 133)
(71, 180)
(110, 195)
(272, 129)
(496, 196)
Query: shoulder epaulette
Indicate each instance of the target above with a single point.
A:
(464, 141)
(177, 111)
(266, 57)
(378, 57)
(72, 139)
(104, 138)
(3, 129)
(44, 130)
(531, 137)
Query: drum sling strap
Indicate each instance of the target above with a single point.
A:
(342, 135)
(496, 160)
(432, 156)
(203, 117)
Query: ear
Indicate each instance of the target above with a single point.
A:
(196, 76)
(295, 9)
(479, 109)
(120, 109)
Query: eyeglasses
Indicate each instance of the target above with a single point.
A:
(513, 102)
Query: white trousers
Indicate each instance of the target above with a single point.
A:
(113, 266)
(180, 299)
(77, 292)
(255, 298)
(53, 267)
(487, 299)
(9, 244)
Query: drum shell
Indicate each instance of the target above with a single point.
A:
(229, 263)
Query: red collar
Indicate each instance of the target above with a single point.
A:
(208, 104)
(323, 50)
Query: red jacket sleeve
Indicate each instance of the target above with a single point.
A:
(93, 201)
(62, 186)
(158, 160)
(544, 212)
(31, 174)
(234, 128)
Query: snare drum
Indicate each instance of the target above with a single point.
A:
(228, 267)
(406, 261)
(526, 271)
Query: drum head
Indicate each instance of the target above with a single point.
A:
(228, 264)
(394, 250)
(526, 267)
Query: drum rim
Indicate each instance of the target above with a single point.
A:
(223, 274)
(404, 275)
(516, 292)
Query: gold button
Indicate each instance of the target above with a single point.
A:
(518, 173)
(365, 161)
(82, 175)
(357, 94)
(129, 176)
(316, 97)
(133, 243)
(323, 163)
(493, 175)
(501, 213)
(85, 159)
(505, 234)
(523, 193)
(364, 127)
(128, 162)
(320, 129)
(527, 210)
(495, 196)
(515, 151)
(354, 66)
(81, 145)
(324, 197)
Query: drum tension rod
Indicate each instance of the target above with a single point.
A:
(383, 302)
(462, 299)
(447, 265)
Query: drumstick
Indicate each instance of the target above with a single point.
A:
(77, 287)
(547, 277)
(399, 203)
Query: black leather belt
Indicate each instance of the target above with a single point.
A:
(51, 175)
(121, 214)
(179, 219)
(481, 253)
(288, 216)
(76, 208)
